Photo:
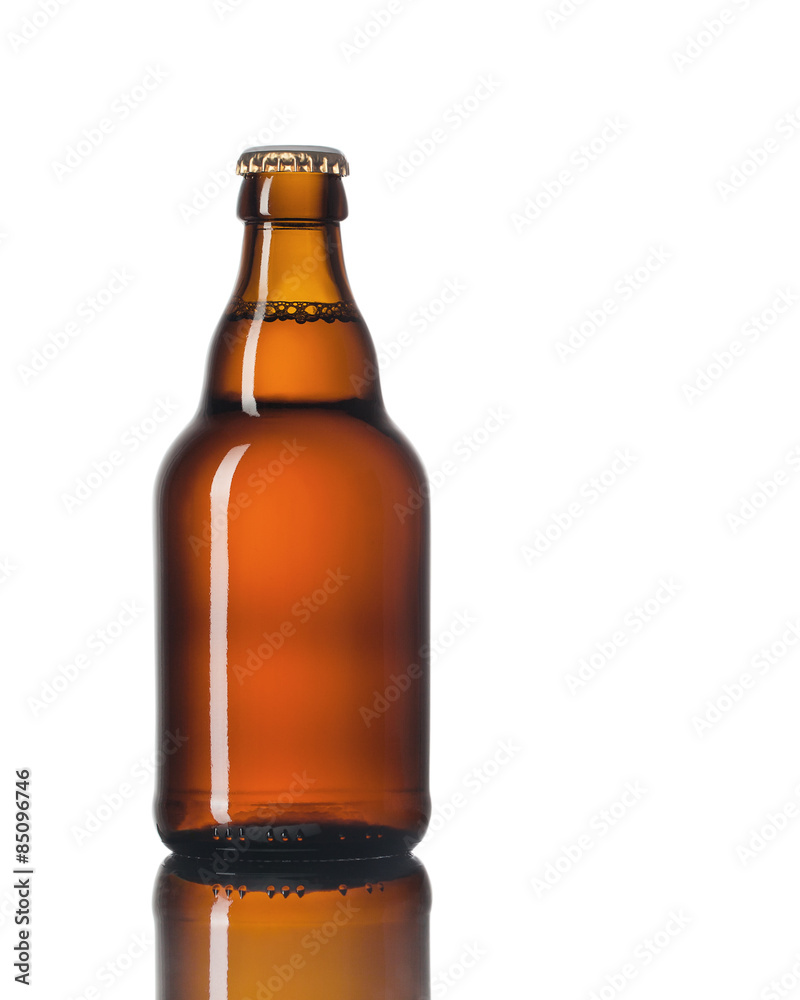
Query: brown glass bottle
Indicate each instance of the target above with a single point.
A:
(324, 929)
(292, 559)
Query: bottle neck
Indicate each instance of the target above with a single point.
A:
(292, 332)
(292, 262)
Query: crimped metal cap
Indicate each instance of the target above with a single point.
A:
(295, 159)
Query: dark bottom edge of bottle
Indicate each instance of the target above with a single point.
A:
(335, 841)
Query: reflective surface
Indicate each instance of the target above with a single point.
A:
(355, 930)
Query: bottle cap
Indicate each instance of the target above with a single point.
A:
(295, 159)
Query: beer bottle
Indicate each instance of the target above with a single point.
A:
(294, 930)
(292, 559)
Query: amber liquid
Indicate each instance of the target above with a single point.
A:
(293, 579)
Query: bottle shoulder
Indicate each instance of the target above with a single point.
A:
(340, 438)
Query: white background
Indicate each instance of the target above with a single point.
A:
(294, 73)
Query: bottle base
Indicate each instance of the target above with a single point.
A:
(299, 840)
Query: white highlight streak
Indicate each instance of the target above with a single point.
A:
(249, 354)
(218, 948)
(218, 633)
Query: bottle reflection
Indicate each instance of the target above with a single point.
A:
(354, 929)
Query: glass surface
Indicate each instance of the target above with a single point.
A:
(293, 567)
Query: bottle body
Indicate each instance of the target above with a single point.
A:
(293, 624)
(293, 587)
